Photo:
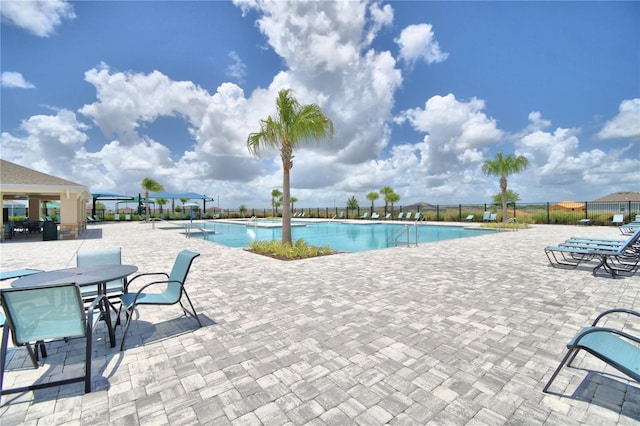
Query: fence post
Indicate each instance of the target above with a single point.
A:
(586, 209)
(437, 212)
(460, 212)
(548, 214)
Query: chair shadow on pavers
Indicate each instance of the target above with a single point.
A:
(609, 392)
(144, 332)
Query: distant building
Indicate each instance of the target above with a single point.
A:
(617, 202)
(568, 206)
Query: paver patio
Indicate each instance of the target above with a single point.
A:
(463, 331)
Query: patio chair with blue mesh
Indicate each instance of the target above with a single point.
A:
(615, 347)
(486, 216)
(105, 256)
(47, 313)
(173, 291)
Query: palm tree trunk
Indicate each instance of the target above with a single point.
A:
(286, 196)
(503, 188)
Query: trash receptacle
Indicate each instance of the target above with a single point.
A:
(49, 231)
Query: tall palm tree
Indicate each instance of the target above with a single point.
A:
(293, 124)
(149, 185)
(372, 196)
(504, 166)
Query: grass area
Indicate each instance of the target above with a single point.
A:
(299, 249)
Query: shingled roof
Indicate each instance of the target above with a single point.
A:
(620, 197)
(17, 180)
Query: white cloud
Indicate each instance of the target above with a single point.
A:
(12, 79)
(38, 17)
(418, 42)
(624, 125)
(127, 100)
(238, 69)
(558, 166)
(52, 142)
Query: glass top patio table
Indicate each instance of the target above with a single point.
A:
(82, 276)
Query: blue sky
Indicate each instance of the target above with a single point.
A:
(420, 94)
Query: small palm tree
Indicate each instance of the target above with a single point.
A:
(149, 185)
(243, 210)
(293, 124)
(293, 201)
(386, 191)
(504, 166)
(352, 204)
(372, 196)
(275, 196)
(392, 198)
(161, 202)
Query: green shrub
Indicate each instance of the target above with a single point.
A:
(299, 249)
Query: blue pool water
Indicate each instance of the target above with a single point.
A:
(345, 237)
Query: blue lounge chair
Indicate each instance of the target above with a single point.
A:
(408, 216)
(173, 290)
(53, 312)
(400, 215)
(375, 215)
(615, 347)
(388, 216)
(365, 215)
(486, 216)
(493, 217)
(470, 218)
(614, 259)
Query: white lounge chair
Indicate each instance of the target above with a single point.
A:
(618, 219)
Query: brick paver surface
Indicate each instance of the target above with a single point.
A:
(464, 331)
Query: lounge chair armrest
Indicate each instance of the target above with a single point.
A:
(615, 310)
(126, 287)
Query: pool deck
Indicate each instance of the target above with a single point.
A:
(464, 331)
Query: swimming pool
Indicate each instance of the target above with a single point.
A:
(340, 236)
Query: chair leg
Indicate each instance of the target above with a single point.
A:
(126, 327)
(569, 354)
(3, 354)
(87, 361)
(193, 310)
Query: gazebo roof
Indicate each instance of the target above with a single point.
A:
(21, 183)
(188, 195)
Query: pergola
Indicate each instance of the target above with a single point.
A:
(185, 195)
(22, 183)
(107, 196)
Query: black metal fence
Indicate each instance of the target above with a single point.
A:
(599, 213)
